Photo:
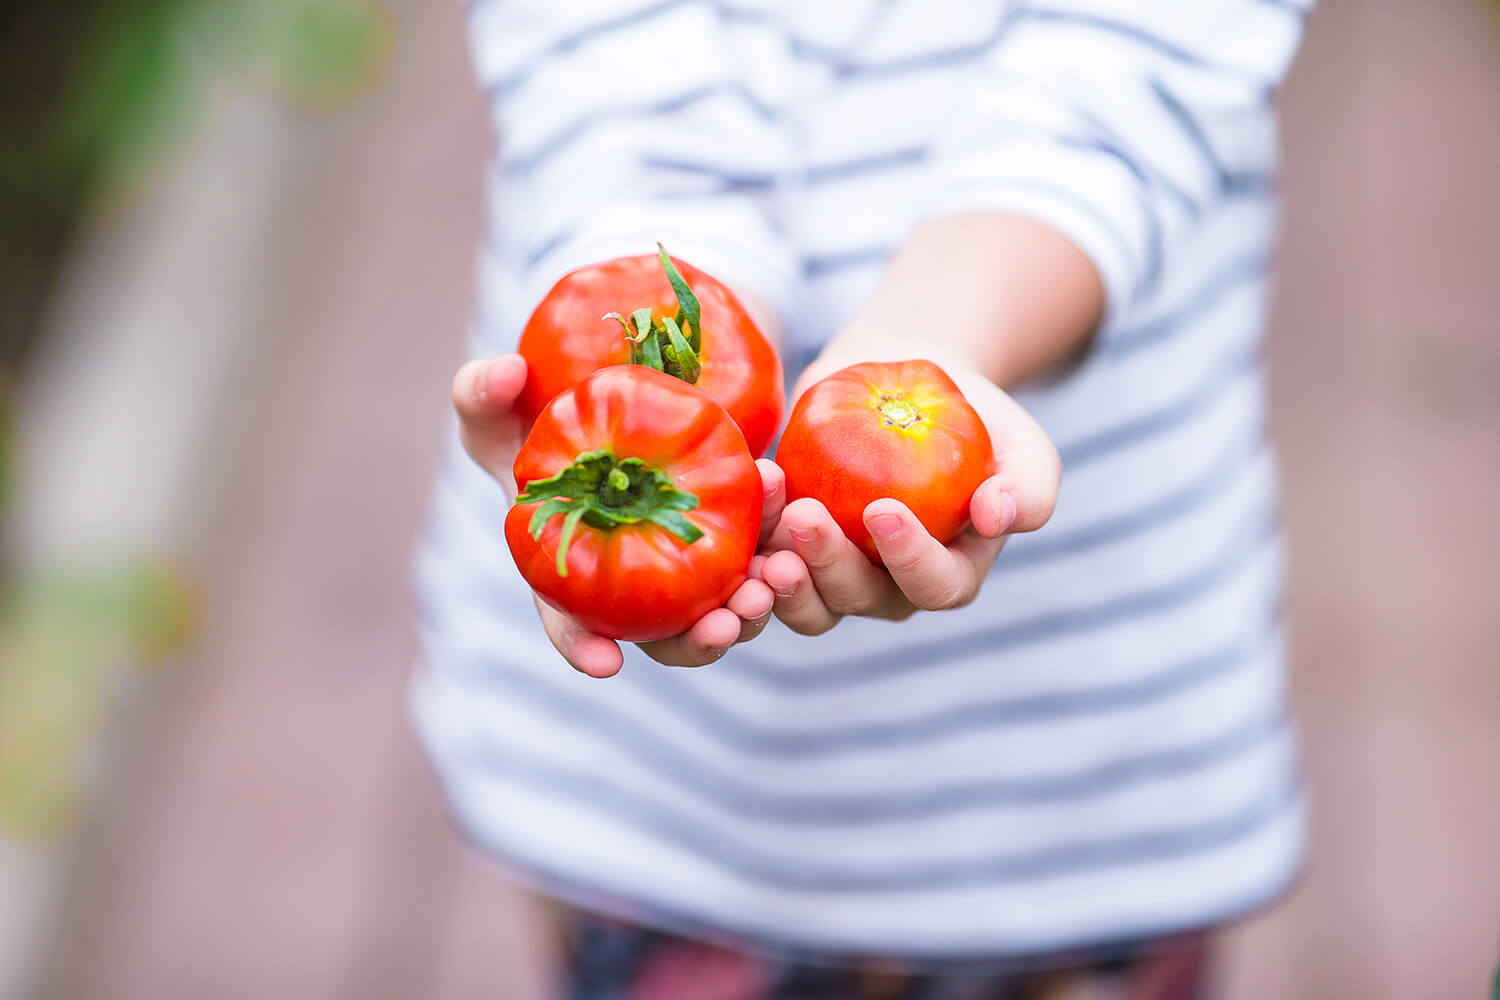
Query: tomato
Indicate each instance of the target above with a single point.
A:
(583, 324)
(640, 505)
(874, 430)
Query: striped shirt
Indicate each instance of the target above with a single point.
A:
(1097, 748)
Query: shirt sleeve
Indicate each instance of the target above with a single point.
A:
(592, 101)
(1120, 124)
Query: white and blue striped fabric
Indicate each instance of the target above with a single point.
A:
(1097, 749)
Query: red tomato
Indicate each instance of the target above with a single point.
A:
(583, 323)
(640, 507)
(874, 430)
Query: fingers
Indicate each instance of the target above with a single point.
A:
(702, 644)
(774, 482)
(1027, 479)
(830, 576)
(930, 575)
(753, 602)
(798, 604)
(742, 618)
(827, 576)
(846, 580)
(992, 509)
(487, 387)
(484, 394)
(587, 653)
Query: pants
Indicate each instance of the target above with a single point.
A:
(613, 960)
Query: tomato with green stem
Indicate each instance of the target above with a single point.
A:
(640, 504)
(902, 430)
(662, 313)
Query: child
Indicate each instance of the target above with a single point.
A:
(1083, 763)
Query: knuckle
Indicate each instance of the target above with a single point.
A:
(812, 626)
(753, 628)
(942, 596)
(903, 562)
(821, 559)
(848, 605)
(899, 612)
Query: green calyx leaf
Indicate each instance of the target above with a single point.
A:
(680, 354)
(605, 493)
(672, 344)
(689, 312)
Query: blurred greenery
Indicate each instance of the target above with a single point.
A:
(98, 90)
(98, 95)
(320, 52)
(63, 637)
(7, 451)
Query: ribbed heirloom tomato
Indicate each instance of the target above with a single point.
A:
(640, 505)
(874, 430)
(662, 313)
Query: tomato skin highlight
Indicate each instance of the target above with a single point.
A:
(638, 582)
(902, 430)
(568, 336)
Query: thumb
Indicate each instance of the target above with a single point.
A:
(1022, 493)
(773, 482)
(587, 653)
(484, 394)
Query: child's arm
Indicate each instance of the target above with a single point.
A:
(1094, 141)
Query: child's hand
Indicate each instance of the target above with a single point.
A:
(484, 394)
(819, 576)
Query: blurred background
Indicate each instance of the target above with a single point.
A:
(235, 267)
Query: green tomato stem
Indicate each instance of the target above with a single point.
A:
(605, 493)
(672, 344)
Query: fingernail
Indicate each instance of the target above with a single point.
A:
(884, 525)
(785, 591)
(1007, 512)
(803, 534)
(482, 383)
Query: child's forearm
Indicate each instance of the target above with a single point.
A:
(998, 294)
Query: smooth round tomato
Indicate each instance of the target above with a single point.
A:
(874, 430)
(640, 504)
(591, 316)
